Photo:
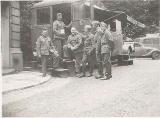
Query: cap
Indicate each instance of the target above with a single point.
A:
(88, 27)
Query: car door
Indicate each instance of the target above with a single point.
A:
(156, 43)
(139, 49)
(148, 42)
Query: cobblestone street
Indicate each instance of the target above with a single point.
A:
(133, 91)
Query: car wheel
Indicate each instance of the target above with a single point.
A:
(156, 55)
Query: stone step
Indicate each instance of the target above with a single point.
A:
(6, 71)
(70, 65)
(59, 72)
(27, 68)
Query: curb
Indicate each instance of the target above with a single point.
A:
(8, 91)
(8, 73)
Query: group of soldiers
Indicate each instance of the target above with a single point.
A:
(94, 45)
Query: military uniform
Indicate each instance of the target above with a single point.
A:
(74, 41)
(105, 50)
(97, 39)
(43, 46)
(88, 53)
(59, 35)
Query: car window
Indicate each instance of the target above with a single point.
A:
(156, 41)
(147, 41)
(137, 45)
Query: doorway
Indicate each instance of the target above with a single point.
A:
(5, 36)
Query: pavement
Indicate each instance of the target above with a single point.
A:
(22, 80)
(6, 71)
(133, 91)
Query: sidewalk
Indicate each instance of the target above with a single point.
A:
(22, 80)
(6, 71)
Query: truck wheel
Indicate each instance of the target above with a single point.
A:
(156, 55)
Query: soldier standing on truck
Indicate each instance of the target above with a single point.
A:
(59, 33)
(104, 48)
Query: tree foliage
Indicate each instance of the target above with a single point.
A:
(25, 7)
(144, 11)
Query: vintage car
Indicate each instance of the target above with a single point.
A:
(144, 51)
(150, 40)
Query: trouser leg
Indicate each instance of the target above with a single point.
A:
(99, 64)
(91, 64)
(107, 64)
(91, 68)
(84, 61)
(58, 46)
(55, 61)
(78, 58)
(44, 64)
(68, 53)
(100, 68)
(108, 68)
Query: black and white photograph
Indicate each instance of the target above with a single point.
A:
(80, 58)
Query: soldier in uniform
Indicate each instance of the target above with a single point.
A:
(88, 51)
(97, 38)
(44, 45)
(103, 46)
(95, 25)
(59, 33)
(73, 49)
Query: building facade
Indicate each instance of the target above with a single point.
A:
(12, 56)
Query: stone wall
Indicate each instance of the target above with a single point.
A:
(15, 50)
(11, 49)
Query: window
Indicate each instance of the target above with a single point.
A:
(77, 9)
(86, 12)
(147, 41)
(43, 16)
(156, 41)
(137, 45)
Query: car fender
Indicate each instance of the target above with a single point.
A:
(150, 53)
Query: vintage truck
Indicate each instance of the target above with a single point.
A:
(80, 12)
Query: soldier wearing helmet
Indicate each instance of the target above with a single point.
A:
(73, 49)
(88, 51)
(104, 48)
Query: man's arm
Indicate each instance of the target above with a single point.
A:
(93, 43)
(55, 28)
(69, 25)
(109, 35)
(79, 42)
(98, 46)
(52, 48)
(38, 46)
(69, 42)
